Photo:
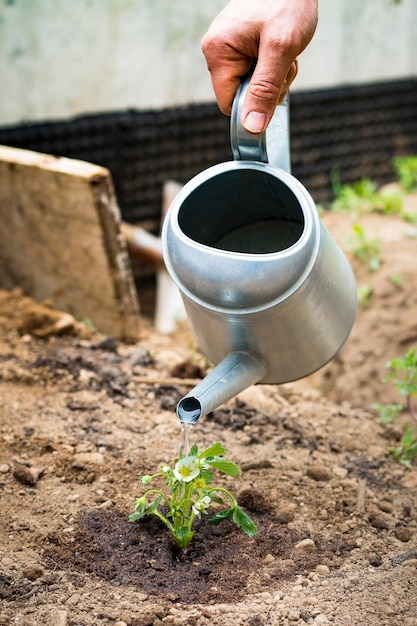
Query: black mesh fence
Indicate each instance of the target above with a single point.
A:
(352, 130)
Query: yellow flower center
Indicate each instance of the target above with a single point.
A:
(185, 471)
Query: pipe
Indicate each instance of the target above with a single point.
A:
(235, 373)
(143, 244)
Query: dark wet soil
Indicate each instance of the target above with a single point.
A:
(222, 566)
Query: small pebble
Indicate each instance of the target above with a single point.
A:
(403, 533)
(306, 545)
(269, 559)
(87, 458)
(141, 597)
(256, 620)
(318, 473)
(375, 559)
(27, 475)
(4, 468)
(108, 504)
(73, 600)
(386, 507)
(380, 520)
(322, 570)
(32, 572)
(340, 472)
(286, 514)
(59, 618)
(293, 615)
(344, 528)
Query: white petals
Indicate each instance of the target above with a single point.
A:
(187, 469)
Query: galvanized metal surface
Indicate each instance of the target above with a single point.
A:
(285, 295)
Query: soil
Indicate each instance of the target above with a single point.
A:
(83, 417)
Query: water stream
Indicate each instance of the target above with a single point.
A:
(185, 445)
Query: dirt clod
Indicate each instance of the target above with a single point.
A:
(27, 475)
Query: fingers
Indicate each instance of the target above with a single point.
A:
(273, 32)
(227, 62)
(292, 73)
(264, 95)
(226, 80)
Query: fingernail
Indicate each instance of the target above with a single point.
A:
(255, 122)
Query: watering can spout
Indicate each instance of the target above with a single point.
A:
(235, 373)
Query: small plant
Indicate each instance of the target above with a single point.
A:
(364, 295)
(366, 250)
(396, 280)
(407, 449)
(191, 495)
(406, 169)
(363, 197)
(403, 374)
(388, 412)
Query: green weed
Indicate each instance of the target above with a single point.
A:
(363, 197)
(364, 296)
(402, 372)
(406, 170)
(366, 250)
(407, 449)
(396, 280)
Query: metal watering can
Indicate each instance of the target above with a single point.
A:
(269, 296)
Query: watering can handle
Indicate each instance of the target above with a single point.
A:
(271, 146)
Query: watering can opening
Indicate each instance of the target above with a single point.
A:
(189, 410)
(235, 373)
(244, 210)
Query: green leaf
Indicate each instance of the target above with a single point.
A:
(216, 449)
(387, 412)
(183, 536)
(406, 462)
(229, 468)
(207, 475)
(193, 451)
(140, 506)
(244, 522)
(153, 506)
(135, 516)
(221, 515)
(374, 264)
(216, 498)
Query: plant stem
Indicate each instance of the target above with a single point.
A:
(166, 522)
(229, 495)
(410, 408)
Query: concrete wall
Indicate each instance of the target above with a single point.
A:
(60, 58)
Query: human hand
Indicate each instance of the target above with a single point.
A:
(273, 32)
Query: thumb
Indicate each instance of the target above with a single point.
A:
(263, 95)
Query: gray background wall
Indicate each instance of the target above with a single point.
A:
(61, 58)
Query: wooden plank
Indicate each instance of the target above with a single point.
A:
(60, 239)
